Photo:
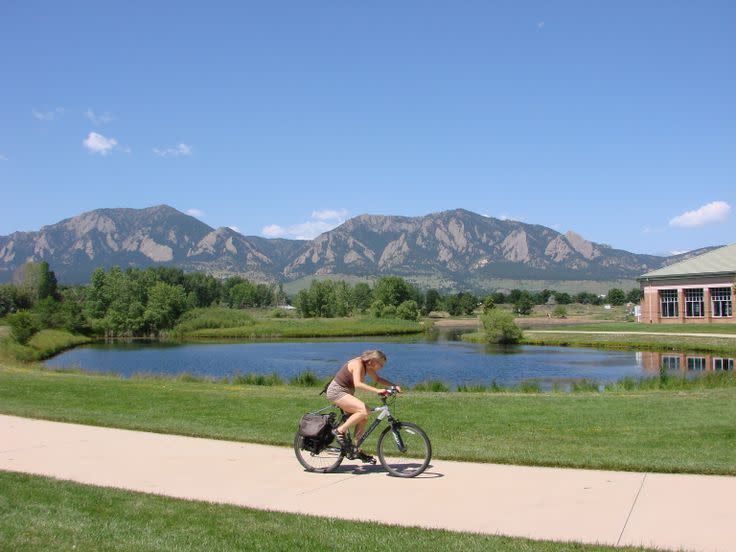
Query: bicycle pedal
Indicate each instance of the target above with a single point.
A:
(366, 458)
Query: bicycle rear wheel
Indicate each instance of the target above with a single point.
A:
(325, 461)
(404, 449)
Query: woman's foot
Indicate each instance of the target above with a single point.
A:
(340, 438)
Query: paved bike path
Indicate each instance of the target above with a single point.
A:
(691, 512)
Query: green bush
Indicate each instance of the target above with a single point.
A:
(436, 386)
(257, 379)
(560, 312)
(528, 386)
(305, 379)
(408, 310)
(23, 326)
(500, 327)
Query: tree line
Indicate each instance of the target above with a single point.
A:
(138, 302)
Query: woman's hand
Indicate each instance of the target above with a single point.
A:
(398, 388)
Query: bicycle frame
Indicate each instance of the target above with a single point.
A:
(383, 413)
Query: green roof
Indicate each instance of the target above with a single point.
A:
(718, 261)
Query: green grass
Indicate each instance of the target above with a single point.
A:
(43, 344)
(314, 327)
(641, 430)
(39, 513)
(211, 318)
(657, 328)
(662, 342)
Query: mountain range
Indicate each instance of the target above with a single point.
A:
(455, 249)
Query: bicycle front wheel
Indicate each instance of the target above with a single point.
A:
(323, 461)
(404, 449)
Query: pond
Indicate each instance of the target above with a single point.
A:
(410, 361)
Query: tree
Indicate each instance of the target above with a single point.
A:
(562, 298)
(362, 297)
(408, 310)
(634, 296)
(8, 294)
(431, 301)
(22, 326)
(524, 304)
(392, 290)
(468, 302)
(166, 303)
(500, 327)
(488, 304)
(616, 296)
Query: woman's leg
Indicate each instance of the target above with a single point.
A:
(358, 414)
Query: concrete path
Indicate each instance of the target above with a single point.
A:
(688, 512)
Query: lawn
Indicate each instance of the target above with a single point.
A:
(39, 513)
(664, 431)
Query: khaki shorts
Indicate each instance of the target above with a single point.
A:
(336, 391)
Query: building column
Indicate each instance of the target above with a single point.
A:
(681, 304)
(706, 304)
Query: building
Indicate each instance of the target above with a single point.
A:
(698, 290)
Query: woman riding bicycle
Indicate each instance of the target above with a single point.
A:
(341, 391)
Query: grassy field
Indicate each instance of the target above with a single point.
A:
(656, 328)
(664, 431)
(312, 327)
(663, 342)
(38, 513)
(44, 344)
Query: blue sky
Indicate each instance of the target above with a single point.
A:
(613, 119)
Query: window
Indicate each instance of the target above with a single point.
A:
(668, 303)
(694, 305)
(696, 363)
(722, 364)
(720, 300)
(670, 362)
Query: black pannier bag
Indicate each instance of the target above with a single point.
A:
(316, 431)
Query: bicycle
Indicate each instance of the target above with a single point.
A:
(409, 456)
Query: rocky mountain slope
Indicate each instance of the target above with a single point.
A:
(458, 246)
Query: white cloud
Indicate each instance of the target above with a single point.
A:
(329, 214)
(320, 222)
(98, 119)
(505, 216)
(273, 231)
(196, 213)
(179, 149)
(234, 228)
(97, 143)
(540, 24)
(716, 211)
(678, 252)
(3, 157)
(48, 115)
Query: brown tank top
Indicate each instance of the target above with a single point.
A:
(344, 377)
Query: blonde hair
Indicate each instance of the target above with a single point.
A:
(374, 354)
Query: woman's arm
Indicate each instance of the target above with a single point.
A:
(359, 370)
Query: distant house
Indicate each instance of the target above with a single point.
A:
(698, 290)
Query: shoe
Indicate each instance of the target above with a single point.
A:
(366, 458)
(340, 438)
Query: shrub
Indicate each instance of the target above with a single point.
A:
(305, 379)
(432, 385)
(257, 379)
(22, 326)
(500, 327)
(408, 310)
(278, 313)
(560, 312)
(530, 387)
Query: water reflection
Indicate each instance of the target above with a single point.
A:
(683, 363)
